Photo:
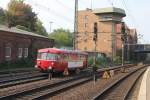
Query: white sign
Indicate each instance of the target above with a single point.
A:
(75, 64)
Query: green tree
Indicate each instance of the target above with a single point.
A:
(62, 37)
(2, 16)
(40, 29)
(20, 13)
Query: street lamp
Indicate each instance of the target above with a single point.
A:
(50, 25)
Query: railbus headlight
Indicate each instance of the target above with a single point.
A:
(49, 67)
(52, 63)
(36, 66)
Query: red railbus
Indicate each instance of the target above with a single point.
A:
(58, 60)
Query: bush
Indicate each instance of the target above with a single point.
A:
(100, 61)
(20, 63)
(117, 60)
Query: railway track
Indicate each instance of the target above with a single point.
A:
(119, 90)
(20, 77)
(44, 89)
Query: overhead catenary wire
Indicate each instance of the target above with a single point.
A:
(111, 2)
(128, 11)
(63, 5)
(44, 8)
(84, 3)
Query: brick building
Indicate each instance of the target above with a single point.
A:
(108, 39)
(131, 36)
(16, 44)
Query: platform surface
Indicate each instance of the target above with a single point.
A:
(144, 92)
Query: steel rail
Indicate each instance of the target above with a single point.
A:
(104, 94)
(20, 93)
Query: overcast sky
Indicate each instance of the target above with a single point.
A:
(61, 12)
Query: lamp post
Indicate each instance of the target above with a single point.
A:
(50, 25)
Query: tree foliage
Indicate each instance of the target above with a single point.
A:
(2, 16)
(63, 38)
(21, 15)
(40, 29)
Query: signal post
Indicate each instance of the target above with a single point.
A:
(95, 41)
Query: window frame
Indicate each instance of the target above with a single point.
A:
(26, 52)
(86, 21)
(9, 55)
(20, 54)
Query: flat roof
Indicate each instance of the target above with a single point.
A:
(19, 31)
(59, 51)
(109, 10)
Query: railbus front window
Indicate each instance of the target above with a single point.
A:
(42, 56)
(48, 56)
(52, 56)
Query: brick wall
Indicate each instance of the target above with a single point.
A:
(15, 41)
(84, 38)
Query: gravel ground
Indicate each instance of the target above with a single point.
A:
(87, 90)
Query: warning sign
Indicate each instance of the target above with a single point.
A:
(106, 75)
(66, 72)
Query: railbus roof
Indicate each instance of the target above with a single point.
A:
(62, 51)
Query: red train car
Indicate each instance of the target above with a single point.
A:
(57, 60)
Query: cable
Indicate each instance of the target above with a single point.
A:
(62, 4)
(129, 13)
(110, 2)
(115, 1)
(83, 3)
(136, 25)
(51, 11)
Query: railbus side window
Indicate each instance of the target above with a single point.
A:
(43, 56)
(52, 56)
(62, 56)
(66, 57)
(69, 57)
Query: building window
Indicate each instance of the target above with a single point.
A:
(85, 25)
(85, 21)
(85, 40)
(7, 52)
(19, 52)
(85, 48)
(85, 33)
(25, 52)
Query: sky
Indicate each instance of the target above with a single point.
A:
(60, 13)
